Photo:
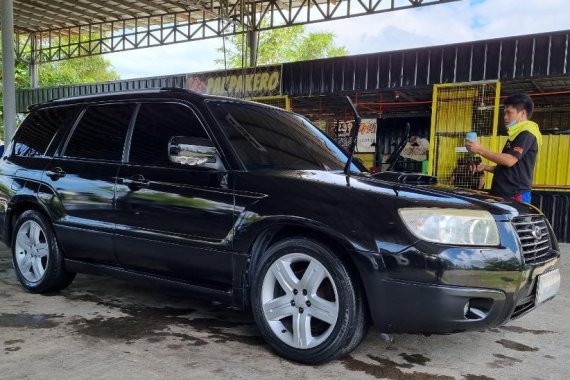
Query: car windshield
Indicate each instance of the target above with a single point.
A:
(269, 138)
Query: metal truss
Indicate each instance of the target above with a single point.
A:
(202, 19)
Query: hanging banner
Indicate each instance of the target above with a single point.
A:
(366, 141)
(367, 136)
(342, 133)
(239, 83)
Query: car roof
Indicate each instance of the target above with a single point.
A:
(119, 95)
(164, 92)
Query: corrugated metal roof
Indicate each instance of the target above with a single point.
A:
(44, 15)
(105, 26)
(39, 15)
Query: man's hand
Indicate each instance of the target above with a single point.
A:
(477, 168)
(503, 159)
(482, 168)
(473, 146)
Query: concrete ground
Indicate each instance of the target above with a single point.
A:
(101, 328)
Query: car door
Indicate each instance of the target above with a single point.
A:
(31, 151)
(173, 220)
(83, 179)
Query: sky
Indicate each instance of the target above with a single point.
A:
(461, 21)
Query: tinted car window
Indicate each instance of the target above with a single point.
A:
(266, 137)
(39, 130)
(155, 125)
(100, 134)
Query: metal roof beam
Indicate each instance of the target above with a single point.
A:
(196, 5)
(70, 14)
(126, 10)
(46, 19)
(198, 20)
(27, 24)
(94, 12)
(157, 6)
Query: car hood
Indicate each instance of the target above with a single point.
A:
(412, 195)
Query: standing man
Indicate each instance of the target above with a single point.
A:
(512, 176)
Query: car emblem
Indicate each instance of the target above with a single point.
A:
(536, 232)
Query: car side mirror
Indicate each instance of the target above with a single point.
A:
(193, 151)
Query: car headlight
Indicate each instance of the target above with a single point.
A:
(451, 226)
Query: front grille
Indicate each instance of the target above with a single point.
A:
(534, 238)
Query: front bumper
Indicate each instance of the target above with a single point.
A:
(422, 308)
(457, 289)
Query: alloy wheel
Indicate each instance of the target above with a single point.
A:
(31, 251)
(300, 300)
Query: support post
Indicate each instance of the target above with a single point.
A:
(252, 36)
(34, 76)
(8, 74)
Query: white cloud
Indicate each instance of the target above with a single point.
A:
(461, 21)
(448, 23)
(186, 57)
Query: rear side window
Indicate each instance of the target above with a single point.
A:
(100, 134)
(40, 129)
(155, 125)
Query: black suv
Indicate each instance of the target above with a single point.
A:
(249, 205)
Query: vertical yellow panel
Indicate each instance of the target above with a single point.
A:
(495, 141)
(447, 157)
(550, 174)
(432, 131)
(539, 175)
(366, 158)
(563, 160)
(488, 142)
(552, 168)
(553, 163)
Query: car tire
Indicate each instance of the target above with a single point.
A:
(36, 256)
(306, 302)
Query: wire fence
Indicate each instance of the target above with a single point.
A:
(459, 109)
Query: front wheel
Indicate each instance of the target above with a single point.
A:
(306, 303)
(37, 259)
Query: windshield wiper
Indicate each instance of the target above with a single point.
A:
(353, 139)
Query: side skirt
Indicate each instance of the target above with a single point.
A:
(220, 295)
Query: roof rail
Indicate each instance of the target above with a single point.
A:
(32, 106)
(177, 89)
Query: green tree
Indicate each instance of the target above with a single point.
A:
(72, 71)
(76, 71)
(281, 45)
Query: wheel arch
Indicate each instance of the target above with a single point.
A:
(20, 205)
(272, 234)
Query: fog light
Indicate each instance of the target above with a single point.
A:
(477, 308)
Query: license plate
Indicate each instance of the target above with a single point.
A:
(548, 284)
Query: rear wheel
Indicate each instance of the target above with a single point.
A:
(305, 302)
(37, 259)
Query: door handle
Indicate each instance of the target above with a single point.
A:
(55, 173)
(135, 182)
